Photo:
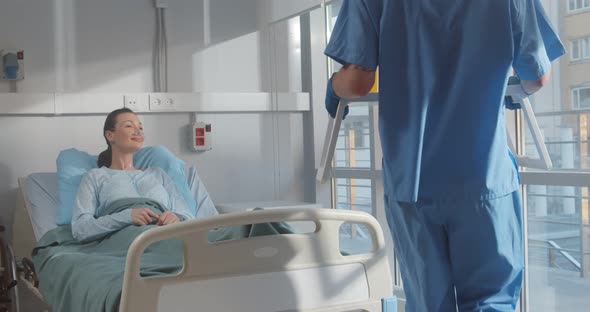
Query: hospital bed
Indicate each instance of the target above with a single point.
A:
(293, 272)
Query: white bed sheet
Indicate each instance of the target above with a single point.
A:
(41, 193)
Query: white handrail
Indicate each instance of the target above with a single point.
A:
(205, 260)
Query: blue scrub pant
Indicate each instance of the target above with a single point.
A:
(459, 254)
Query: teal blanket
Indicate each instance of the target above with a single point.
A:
(78, 276)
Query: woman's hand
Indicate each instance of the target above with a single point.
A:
(143, 216)
(167, 217)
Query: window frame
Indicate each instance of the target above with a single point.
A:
(581, 48)
(572, 6)
(576, 97)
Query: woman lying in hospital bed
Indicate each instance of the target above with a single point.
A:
(81, 266)
(124, 241)
(118, 181)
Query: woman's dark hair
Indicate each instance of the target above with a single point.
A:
(105, 158)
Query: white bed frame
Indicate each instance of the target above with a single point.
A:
(293, 272)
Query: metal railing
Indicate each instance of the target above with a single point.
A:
(555, 253)
(566, 179)
(564, 252)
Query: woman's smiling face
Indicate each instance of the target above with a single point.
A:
(128, 133)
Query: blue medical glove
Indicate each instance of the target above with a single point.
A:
(509, 102)
(332, 101)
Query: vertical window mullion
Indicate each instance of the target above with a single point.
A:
(372, 127)
(584, 97)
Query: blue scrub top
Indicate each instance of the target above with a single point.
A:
(443, 68)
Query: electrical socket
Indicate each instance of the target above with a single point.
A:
(170, 103)
(162, 101)
(130, 101)
(135, 102)
(155, 102)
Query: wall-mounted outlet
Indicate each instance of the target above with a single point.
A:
(170, 102)
(155, 102)
(130, 101)
(136, 102)
(162, 101)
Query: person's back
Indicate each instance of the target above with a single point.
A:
(450, 182)
(444, 81)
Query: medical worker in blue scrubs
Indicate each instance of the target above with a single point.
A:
(451, 184)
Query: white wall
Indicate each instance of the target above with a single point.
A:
(106, 46)
(281, 9)
(222, 68)
(224, 14)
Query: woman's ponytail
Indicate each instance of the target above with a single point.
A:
(105, 158)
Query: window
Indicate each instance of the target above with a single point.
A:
(556, 201)
(354, 194)
(581, 98)
(357, 183)
(354, 161)
(353, 149)
(578, 5)
(580, 49)
(558, 241)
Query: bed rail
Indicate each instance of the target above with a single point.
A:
(313, 256)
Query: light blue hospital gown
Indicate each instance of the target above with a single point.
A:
(449, 178)
(102, 186)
